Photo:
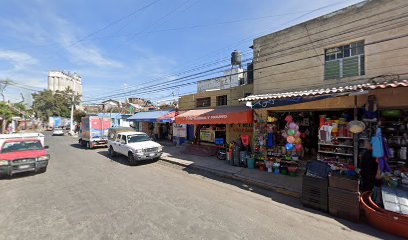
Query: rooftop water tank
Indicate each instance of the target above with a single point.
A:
(236, 58)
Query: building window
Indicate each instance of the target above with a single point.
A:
(344, 61)
(204, 102)
(222, 100)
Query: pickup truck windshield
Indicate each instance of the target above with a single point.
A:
(9, 147)
(138, 138)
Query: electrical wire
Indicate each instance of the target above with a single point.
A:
(362, 27)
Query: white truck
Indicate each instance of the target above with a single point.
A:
(137, 146)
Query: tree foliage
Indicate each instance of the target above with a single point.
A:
(47, 104)
(78, 114)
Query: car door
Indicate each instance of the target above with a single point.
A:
(122, 144)
(116, 144)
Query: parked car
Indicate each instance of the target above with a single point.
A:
(22, 153)
(137, 146)
(58, 131)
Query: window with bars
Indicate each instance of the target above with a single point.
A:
(344, 61)
(222, 100)
(204, 102)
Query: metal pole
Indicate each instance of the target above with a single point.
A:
(72, 109)
(355, 135)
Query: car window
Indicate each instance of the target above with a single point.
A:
(9, 147)
(124, 139)
(138, 138)
(118, 138)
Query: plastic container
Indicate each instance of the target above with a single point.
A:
(318, 169)
(345, 183)
(383, 221)
(250, 163)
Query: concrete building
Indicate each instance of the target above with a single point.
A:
(60, 80)
(232, 78)
(217, 98)
(361, 43)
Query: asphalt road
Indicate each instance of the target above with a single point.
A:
(86, 195)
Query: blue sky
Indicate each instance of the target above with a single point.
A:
(114, 46)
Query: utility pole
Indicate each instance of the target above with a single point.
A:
(71, 125)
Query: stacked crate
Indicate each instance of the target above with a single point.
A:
(314, 192)
(314, 185)
(344, 197)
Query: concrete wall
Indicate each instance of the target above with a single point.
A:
(371, 21)
(188, 102)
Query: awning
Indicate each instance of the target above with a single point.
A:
(151, 116)
(291, 98)
(224, 115)
(350, 89)
(169, 117)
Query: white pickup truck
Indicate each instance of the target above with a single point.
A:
(137, 146)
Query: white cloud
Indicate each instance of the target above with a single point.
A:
(80, 53)
(18, 59)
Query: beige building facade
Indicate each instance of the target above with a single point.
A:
(361, 43)
(218, 98)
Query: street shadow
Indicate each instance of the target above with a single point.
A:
(77, 145)
(18, 175)
(293, 203)
(275, 196)
(121, 159)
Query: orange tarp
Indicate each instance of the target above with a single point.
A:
(222, 115)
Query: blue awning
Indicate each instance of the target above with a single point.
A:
(150, 116)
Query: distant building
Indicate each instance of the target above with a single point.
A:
(60, 80)
(232, 78)
(111, 104)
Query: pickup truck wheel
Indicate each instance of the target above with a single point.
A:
(111, 152)
(131, 159)
(88, 145)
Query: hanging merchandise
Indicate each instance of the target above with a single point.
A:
(290, 139)
(245, 140)
(270, 140)
(291, 132)
(377, 144)
(289, 146)
(356, 126)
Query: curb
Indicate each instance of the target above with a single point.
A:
(237, 177)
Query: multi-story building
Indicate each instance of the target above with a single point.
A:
(214, 112)
(347, 65)
(60, 80)
(366, 41)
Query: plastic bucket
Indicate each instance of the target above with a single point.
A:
(251, 163)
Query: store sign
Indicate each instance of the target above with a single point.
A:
(285, 101)
(180, 130)
(207, 136)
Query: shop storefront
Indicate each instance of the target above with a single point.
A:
(358, 133)
(157, 124)
(219, 125)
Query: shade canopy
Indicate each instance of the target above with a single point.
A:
(224, 115)
(150, 116)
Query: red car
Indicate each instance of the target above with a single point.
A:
(22, 155)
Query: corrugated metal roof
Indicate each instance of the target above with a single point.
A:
(316, 92)
(150, 116)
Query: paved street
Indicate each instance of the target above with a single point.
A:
(86, 195)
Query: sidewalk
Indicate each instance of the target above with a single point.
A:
(291, 186)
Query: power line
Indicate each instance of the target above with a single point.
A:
(327, 30)
(279, 64)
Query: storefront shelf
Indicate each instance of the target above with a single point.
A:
(336, 145)
(344, 137)
(335, 153)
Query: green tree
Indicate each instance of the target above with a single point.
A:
(47, 104)
(78, 114)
